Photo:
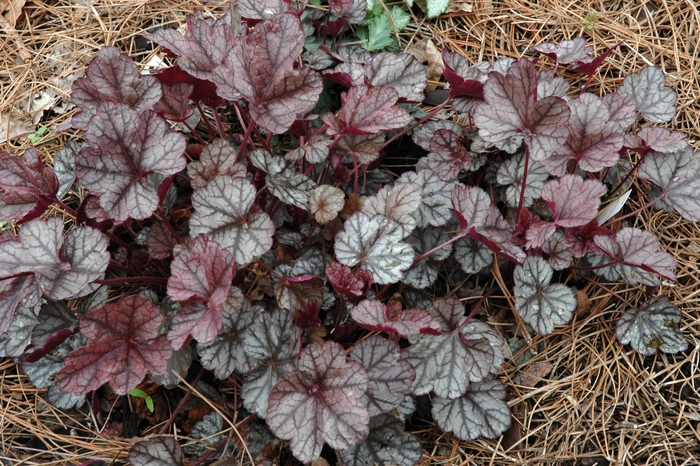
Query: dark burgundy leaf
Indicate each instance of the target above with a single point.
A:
(123, 347)
(27, 187)
(124, 147)
(157, 451)
(512, 108)
(573, 200)
(320, 401)
(581, 240)
(347, 282)
(637, 256)
(367, 110)
(112, 77)
(204, 91)
(379, 317)
(63, 267)
(652, 326)
(296, 293)
(590, 67)
(678, 176)
(390, 377)
(307, 317)
(174, 105)
(566, 51)
(201, 49)
(465, 80)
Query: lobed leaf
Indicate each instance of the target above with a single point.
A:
(367, 110)
(566, 51)
(157, 451)
(481, 411)
(510, 174)
(401, 72)
(16, 293)
(27, 187)
(320, 401)
(225, 211)
(573, 200)
(472, 255)
(387, 443)
(539, 303)
(63, 266)
(653, 326)
(396, 202)
(653, 98)
(326, 202)
(123, 347)
(424, 273)
(435, 206)
(218, 158)
(378, 317)
(447, 156)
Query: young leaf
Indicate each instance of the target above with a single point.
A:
(225, 354)
(512, 107)
(64, 166)
(465, 80)
(378, 317)
(424, 273)
(399, 71)
(175, 105)
(573, 200)
(218, 158)
(124, 147)
(201, 49)
(662, 139)
(387, 443)
(367, 110)
(63, 267)
(481, 220)
(160, 241)
(325, 203)
(566, 51)
(272, 342)
(436, 202)
(225, 211)
(27, 187)
(346, 282)
(448, 363)
(539, 303)
(396, 202)
(652, 326)
(320, 401)
(472, 255)
(481, 411)
(375, 243)
(112, 76)
(157, 451)
(594, 140)
(678, 176)
(123, 347)
(510, 174)
(380, 29)
(654, 99)
(315, 151)
(637, 256)
(390, 377)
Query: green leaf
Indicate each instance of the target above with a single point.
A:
(138, 393)
(149, 403)
(378, 31)
(433, 8)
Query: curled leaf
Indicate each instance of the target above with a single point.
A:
(653, 326)
(377, 316)
(27, 187)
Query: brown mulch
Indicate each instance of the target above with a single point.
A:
(581, 398)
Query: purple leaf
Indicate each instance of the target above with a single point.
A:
(481, 411)
(539, 303)
(320, 401)
(315, 151)
(399, 71)
(56, 323)
(202, 272)
(112, 77)
(157, 451)
(218, 158)
(678, 176)
(662, 139)
(589, 67)
(387, 443)
(594, 141)
(464, 80)
(549, 84)
(510, 174)
(63, 267)
(123, 347)
(480, 219)
(201, 49)
(560, 254)
(654, 99)
(573, 200)
(622, 109)
(225, 354)
(15, 293)
(375, 243)
(424, 273)
(174, 105)
(566, 51)
(448, 363)
(396, 202)
(326, 202)
(124, 147)
(390, 377)
(261, 9)
(472, 255)
(271, 342)
(512, 107)
(378, 317)
(637, 256)
(225, 211)
(22, 318)
(652, 326)
(347, 282)
(27, 187)
(436, 202)
(447, 156)
(355, 13)
(160, 241)
(365, 147)
(367, 110)
(423, 134)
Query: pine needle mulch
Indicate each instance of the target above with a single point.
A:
(578, 397)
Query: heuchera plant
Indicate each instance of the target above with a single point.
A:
(231, 204)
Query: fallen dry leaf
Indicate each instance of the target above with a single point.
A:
(459, 6)
(534, 372)
(11, 9)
